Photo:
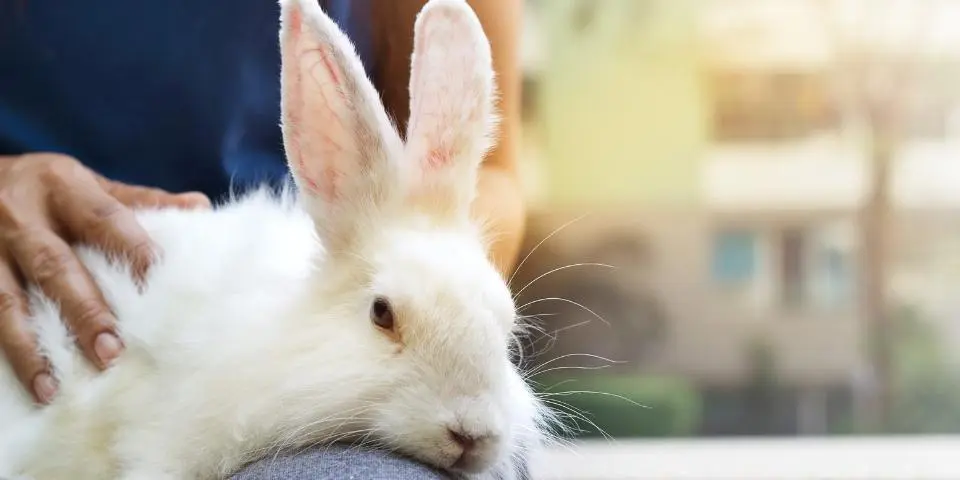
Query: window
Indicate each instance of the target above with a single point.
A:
(814, 272)
(771, 105)
(834, 277)
(792, 268)
(793, 271)
(734, 256)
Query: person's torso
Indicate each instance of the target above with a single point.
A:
(181, 95)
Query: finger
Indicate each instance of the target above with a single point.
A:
(46, 260)
(92, 216)
(146, 197)
(18, 342)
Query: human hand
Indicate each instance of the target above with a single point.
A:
(48, 202)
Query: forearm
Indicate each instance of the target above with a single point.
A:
(500, 200)
(500, 204)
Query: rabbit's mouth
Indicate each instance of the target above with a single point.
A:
(477, 452)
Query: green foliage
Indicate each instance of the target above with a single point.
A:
(622, 405)
(926, 387)
(763, 380)
(927, 390)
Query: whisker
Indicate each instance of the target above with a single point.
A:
(566, 300)
(558, 269)
(540, 394)
(523, 333)
(569, 327)
(296, 436)
(552, 337)
(614, 395)
(579, 414)
(344, 416)
(554, 369)
(569, 355)
(534, 249)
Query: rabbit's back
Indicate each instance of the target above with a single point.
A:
(222, 272)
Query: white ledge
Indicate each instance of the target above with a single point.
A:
(875, 458)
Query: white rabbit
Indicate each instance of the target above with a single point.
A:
(365, 308)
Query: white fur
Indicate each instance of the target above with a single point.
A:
(254, 330)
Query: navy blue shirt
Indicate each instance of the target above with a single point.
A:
(179, 94)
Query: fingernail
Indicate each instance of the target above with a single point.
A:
(196, 200)
(108, 347)
(45, 386)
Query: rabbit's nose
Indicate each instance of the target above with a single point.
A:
(473, 448)
(466, 441)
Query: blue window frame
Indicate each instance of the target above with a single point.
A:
(734, 256)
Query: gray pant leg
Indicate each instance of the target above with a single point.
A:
(338, 462)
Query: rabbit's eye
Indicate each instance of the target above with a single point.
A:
(381, 314)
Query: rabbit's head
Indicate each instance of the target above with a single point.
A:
(431, 320)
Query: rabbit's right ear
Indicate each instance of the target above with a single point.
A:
(339, 142)
(452, 118)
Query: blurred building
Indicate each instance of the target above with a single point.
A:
(618, 91)
(723, 168)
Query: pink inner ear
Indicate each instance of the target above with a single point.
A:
(316, 123)
(295, 21)
(438, 158)
(446, 99)
(295, 26)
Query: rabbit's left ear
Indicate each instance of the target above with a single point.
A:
(339, 142)
(451, 105)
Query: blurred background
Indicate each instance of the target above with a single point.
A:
(745, 216)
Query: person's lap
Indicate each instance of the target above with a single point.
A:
(338, 462)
